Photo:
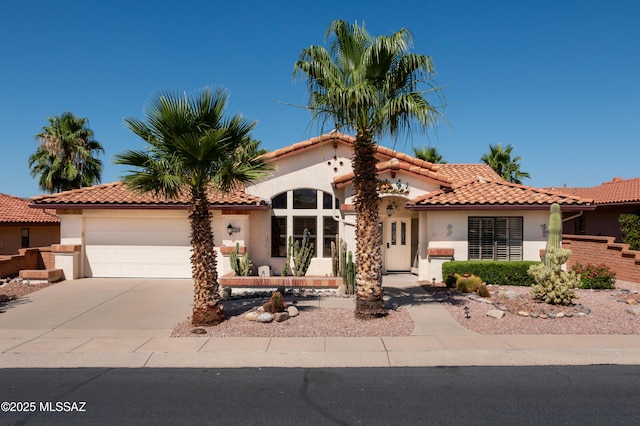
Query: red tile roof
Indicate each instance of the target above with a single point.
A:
(17, 210)
(481, 193)
(118, 195)
(336, 137)
(396, 164)
(464, 172)
(617, 191)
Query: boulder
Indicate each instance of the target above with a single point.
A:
(265, 317)
(496, 313)
(252, 315)
(281, 316)
(292, 311)
(634, 310)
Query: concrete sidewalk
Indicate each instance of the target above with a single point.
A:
(127, 323)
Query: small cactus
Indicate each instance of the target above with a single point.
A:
(301, 252)
(241, 266)
(468, 283)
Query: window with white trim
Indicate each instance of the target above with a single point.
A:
(300, 209)
(495, 238)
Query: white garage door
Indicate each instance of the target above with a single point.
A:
(137, 247)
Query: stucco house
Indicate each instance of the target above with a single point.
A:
(22, 227)
(611, 199)
(429, 213)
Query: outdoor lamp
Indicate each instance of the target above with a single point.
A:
(230, 229)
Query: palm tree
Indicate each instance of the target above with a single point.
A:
(499, 159)
(65, 156)
(429, 154)
(368, 85)
(192, 148)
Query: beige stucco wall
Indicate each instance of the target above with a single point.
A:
(435, 232)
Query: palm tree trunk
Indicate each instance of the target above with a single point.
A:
(206, 307)
(369, 293)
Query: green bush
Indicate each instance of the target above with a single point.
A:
(630, 230)
(492, 271)
(595, 276)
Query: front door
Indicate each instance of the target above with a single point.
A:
(397, 244)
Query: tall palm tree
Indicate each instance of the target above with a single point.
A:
(499, 159)
(429, 154)
(193, 148)
(65, 156)
(368, 85)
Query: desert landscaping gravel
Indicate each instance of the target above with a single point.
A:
(608, 313)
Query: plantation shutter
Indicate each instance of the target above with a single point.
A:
(515, 238)
(495, 238)
(474, 238)
(486, 238)
(502, 238)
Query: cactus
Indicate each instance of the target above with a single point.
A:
(349, 275)
(301, 254)
(554, 237)
(468, 283)
(241, 266)
(554, 285)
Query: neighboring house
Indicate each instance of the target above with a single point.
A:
(25, 227)
(611, 199)
(428, 213)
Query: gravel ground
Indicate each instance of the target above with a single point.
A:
(607, 312)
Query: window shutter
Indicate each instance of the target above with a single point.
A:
(474, 238)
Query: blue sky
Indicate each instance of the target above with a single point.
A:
(556, 79)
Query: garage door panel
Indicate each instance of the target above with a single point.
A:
(137, 247)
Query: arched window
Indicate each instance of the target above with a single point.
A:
(300, 209)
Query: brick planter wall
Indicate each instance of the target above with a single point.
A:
(596, 250)
(273, 282)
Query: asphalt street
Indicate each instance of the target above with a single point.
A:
(554, 395)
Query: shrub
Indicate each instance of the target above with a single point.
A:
(595, 276)
(497, 272)
(468, 283)
(630, 230)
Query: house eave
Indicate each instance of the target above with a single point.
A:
(152, 206)
(460, 207)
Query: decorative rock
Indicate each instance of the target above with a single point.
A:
(341, 291)
(632, 302)
(560, 315)
(508, 294)
(534, 315)
(292, 311)
(523, 313)
(634, 310)
(551, 315)
(265, 317)
(495, 313)
(199, 330)
(225, 293)
(252, 315)
(543, 316)
(568, 314)
(281, 316)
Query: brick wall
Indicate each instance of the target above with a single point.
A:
(596, 250)
(32, 258)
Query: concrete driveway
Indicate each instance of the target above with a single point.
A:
(100, 306)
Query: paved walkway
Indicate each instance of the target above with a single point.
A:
(127, 323)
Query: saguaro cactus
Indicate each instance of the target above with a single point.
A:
(553, 285)
(554, 237)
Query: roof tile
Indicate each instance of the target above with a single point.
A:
(117, 193)
(480, 192)
(17, 210)
(613, 192)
